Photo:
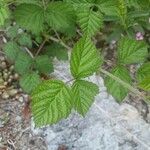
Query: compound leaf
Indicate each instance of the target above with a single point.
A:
(90, 21)
(43, 64)
(84, 93)
(51, 102)
(85, 60)
(30, 17)
(131, 51)
(29, 81)
(115, 88)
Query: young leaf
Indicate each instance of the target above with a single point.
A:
(30, 17)
(145, 84)
(12, 31)
(25, 40)
(85, 60)
(56, 50)
(131, 51)
(29, 81)
(90, 21)
(84, 93)
(44, 64)
(51, 102)
(115, 88)
(143, 72)
(60, 16)
(23, 63)
(11, 50)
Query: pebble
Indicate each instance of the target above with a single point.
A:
(5, 95)
(3, 65)
(21, 99)
(12, 92)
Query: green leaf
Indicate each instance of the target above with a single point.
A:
(81, 3)
(4, 12)
(145, 84)
(51, 102)
(29, 81)
(143, 72)
(56, 50)
(115, 88)
(11, 50)
(30, 17)
(131, 51)
(43, 64)
(12, 31)
(90, 21)
(108, 7)
(84, 93)
(60, 16)
(23, 63)
(25, 40)
(85, 59)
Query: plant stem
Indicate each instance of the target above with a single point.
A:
(41, 46)
(29, 52)
(60, 42)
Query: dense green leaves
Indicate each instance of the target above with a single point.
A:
(83, 94)
(131, 51)
(23, 63)
(29, 81)
(56, 50)
(85, 59)
(43, 64)
(114, 87)
(60, 16)
(51, 101)
(11, 50)
(90, 21)
(30, 16)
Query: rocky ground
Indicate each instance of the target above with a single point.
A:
(107, 126)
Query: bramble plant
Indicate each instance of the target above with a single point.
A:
(43, 29)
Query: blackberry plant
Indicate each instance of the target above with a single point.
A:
(39, 30)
